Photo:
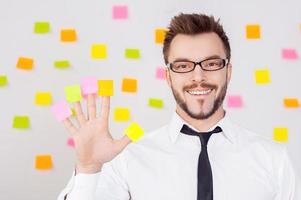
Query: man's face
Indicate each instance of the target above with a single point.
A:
(198, 93)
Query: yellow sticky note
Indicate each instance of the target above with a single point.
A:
(281, 134)
(160, 35)
(68, 35)
(262, 76)
(105, 88)
(99, 51)
(156, 103)
(73, 93)
(134, 131)
(43, 98)
(21, 122)
(3, 80)
(43, 162)
(25, 63)
(129, 85)
(121, 114)
(253, 31)
(291, 103)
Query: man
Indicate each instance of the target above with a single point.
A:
(200, 154)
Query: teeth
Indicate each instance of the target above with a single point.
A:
(199, 92)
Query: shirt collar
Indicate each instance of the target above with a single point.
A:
(177, 122)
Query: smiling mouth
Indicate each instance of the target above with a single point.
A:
(199, 92)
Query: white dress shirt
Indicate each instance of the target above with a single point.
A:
(163, 165)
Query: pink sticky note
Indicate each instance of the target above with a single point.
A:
(160, 73)
(89, 85)
(61, 110)
(120, 12)
(289, 54)
(70, 142)
(234, 101)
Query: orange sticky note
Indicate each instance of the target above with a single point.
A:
(43, 162)
(25, 63)
(105, 88)
(129, 85)
(68, 35)
(160, 35)
(262, 76)
(291, 103)
(281, 134)
(253, 31)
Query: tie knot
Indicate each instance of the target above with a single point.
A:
(204, 136)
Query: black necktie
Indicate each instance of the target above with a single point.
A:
(205, 185)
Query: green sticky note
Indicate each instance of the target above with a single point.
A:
(41, 27)
(3, 80)
(156, 103)
(73, 93)
(21, 122)
(132, 53)
(61, 64)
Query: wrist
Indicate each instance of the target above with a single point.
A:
(88, 169)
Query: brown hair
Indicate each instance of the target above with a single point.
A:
(192, 24)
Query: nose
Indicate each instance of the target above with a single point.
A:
(198, 74)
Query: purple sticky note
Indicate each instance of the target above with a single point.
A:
(61, 110)
(70, 142)
(120, 12)
(234, 101)
(160, 73)
(89, 85)
(289, 54)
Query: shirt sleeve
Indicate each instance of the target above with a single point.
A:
(289, 182)
(109, 184)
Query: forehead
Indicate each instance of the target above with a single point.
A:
(196, 47)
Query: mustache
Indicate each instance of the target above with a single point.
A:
(204, 85)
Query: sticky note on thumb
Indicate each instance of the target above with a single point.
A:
(134, 131)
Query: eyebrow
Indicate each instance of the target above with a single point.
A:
(186, 59)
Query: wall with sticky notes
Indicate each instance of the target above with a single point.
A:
(55, 53)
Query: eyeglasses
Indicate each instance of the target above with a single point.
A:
(211, 64)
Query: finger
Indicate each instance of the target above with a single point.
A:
(70, 127)
(122, 143)
(79, 113)
(105, 108)
(91, 106)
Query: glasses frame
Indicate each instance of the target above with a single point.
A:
(225, 62)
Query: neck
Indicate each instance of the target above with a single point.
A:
(202, 124)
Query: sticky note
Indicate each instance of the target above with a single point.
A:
(253, 31)
(89, 85)
(21, 122)
(105, 88)
(73, 93)
(43, 162)
(291, 103)
(61, 110)
(121, 114)
(61, 64)
(73, 112)
(134, 131)
(160, 73)
(289, 54)
(68, 35)
(99, 51)
(160, 35)
(262, 76)
(234, 101)
(25, 63)
(129, 85)
(70, 142)
(41, 27)
(120, 12)
(3, 80)
(132, 53)
(43, 98)
(155, 103)
(281, 134)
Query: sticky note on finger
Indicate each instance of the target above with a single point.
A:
(262, 76)
(43, 162)
(281, 134)
(61, 110)
(105, 88)
(21, 122)
(134, 131)
(89, 85)
(25, 63)
(73, 93)
(121, 114)
(43, 98)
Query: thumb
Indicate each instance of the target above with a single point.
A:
(122, 143)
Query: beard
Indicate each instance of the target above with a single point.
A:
(201, 115)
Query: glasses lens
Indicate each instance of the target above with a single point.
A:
(182, 66)
(213, 64)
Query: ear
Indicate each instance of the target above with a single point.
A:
(229, 72)
(167, 76)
